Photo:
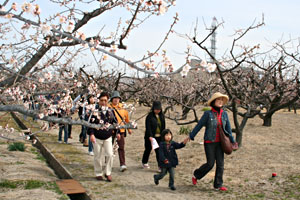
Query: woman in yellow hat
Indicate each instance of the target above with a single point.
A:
(211, 120)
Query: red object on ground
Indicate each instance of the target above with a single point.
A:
(194, 180)
(222, 188)
(274, 174)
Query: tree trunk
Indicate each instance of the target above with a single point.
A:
(268, 120)
(239, 137)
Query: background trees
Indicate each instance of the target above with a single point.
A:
(40, 55)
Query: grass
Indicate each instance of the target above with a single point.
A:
(32, 184)
(16, 146)
(185, 130)
(38, 155)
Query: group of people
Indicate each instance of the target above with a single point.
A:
(102, 141)
(167, 159)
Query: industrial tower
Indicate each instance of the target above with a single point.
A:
(213, 40)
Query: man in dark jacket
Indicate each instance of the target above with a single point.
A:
(102, 138)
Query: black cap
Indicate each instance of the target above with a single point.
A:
(156, 105)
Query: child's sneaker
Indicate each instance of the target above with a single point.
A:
(155, 180)
(194, 180)
(145, 166)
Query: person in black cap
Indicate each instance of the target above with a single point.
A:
(123, 118)
(155, 123)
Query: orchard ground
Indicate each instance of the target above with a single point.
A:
(247, 174)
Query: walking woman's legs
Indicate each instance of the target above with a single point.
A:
(147, 151)
(219, 166)
(210, 157)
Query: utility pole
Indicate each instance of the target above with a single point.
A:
(213, 40)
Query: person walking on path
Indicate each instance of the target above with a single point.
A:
(102, 138)
(123, 118)
(168, 158)
(212, 120)
(155, 123)
(88, 111)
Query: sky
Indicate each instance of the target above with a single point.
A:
(282, 21)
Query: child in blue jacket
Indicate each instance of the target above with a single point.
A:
(168, 159)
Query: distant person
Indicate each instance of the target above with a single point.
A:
(123, 118)
(212, 120)
(155, 123)
(62, 127)
(88, 110)
(102, 138)
(168, 158)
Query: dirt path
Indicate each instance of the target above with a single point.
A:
(247, 172)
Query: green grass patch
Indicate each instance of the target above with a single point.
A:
(256, 196)
(33, 184)
(8, 184)
(16, 146)
(185, 130)
(38, 155)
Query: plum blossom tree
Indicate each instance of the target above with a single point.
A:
(255, 80)
(40, 51)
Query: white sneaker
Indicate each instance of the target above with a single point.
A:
(123, 168)
(145, 166)
(91, 153)
(59, 141)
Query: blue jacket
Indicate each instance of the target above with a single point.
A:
(170, 155)
(208, 120)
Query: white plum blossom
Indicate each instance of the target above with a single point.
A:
(48, 76)
(203, 63)
(62, 19)
(41, 80)
(211, 67)
(26, 7)
(46, 29)
(70, 27)
(37, 10)
(14, 6)
(162, 8)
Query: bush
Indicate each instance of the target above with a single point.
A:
(16, 146)
(185, 130)
(206, 109)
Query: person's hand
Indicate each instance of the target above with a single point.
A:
(118, 137)
(166, 161)
(186, 140)
(129, 132)
(93, 139)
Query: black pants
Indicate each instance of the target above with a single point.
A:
(148, 149)
(163, 172)
(214, 153)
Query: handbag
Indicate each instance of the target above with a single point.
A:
(225, 142)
